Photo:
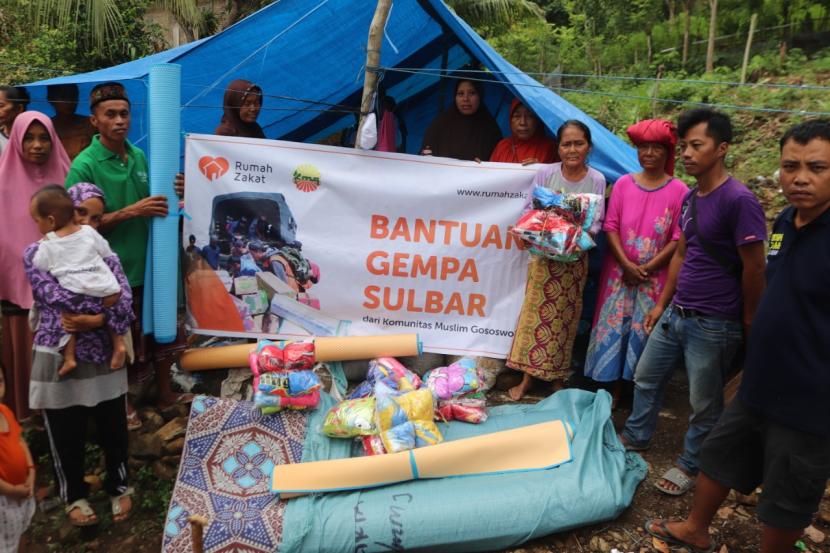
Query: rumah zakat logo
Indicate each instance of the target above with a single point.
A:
(306, 178)
(213, 167)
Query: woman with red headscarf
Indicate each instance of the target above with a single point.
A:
(527, 142)
(33, 158)
(642, 227)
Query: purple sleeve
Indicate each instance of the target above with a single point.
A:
(120, 315)
(46, 290)
(750, 221)
(677, 209)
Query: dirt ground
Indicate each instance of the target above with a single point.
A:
(735, 527)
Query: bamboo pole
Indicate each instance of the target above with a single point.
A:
(749, 36)
(372, 60)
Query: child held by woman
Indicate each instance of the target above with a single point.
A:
(74, 254)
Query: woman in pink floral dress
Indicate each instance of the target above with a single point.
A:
(641, 225)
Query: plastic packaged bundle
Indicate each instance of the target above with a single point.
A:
(390, 374)
(270, 404)
(457, 388)
(351, 418)
(454, 380)
(405, 421)
(373, 445)
(471, 408)
(283, 378)
(557, 227)
(285, 355)
(288, 383)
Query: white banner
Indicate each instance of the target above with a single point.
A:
(286, 238)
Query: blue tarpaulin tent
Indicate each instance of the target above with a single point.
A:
(308, 56)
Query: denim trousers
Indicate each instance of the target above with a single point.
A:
(708, 346)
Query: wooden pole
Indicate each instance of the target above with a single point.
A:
(372, 60)
(687, 24)
(710, 47)
(655, 91)
(749, 36)
(197, 529)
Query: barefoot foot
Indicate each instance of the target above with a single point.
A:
(119, 358)
(67, 367)
(518, 392)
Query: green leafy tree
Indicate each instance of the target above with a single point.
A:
(103, 21)
(29, 52)
(491, 15)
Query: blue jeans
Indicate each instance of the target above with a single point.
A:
(708, 346)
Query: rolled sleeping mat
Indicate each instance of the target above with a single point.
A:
(352, 348)
(221, 357)
(340, 348)
(539, 446)
(165, 149)
(147, 294)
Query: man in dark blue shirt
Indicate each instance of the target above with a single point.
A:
(776, 432)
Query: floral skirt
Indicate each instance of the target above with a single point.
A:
(549, 318)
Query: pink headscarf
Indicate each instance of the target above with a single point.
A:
(19, 179)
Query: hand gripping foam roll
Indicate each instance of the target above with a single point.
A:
(165, 148)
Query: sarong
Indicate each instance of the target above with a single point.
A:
(549, 318)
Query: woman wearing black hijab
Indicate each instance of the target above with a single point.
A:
(466, 130)
(242, 104)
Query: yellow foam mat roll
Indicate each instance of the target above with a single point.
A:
(535, 447)
(339, 348)
(352, 348)
(224, 357)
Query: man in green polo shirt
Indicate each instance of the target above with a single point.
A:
(120, 170)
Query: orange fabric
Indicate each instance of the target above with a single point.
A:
(539, 147)
(210, 304)
(513, 150)
(14, 467)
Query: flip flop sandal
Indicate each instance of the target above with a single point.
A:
(115, 503)
(86, 510)
(133, 421)
(631, 447)
(677, 477)
(665, 535)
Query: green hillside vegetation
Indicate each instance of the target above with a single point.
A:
(624, 61)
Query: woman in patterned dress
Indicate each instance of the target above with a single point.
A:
(641, 225)
(549, 318)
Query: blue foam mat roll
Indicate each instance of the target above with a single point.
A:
(165, 148)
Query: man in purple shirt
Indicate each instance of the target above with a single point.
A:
(715, 281)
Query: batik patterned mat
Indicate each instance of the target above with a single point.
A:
(229, 453)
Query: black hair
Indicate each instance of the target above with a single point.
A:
(191, 238)
(807, 131)
(718, 125)
(16, 95)
(574, 123)
(62, 92)
(53, 200)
